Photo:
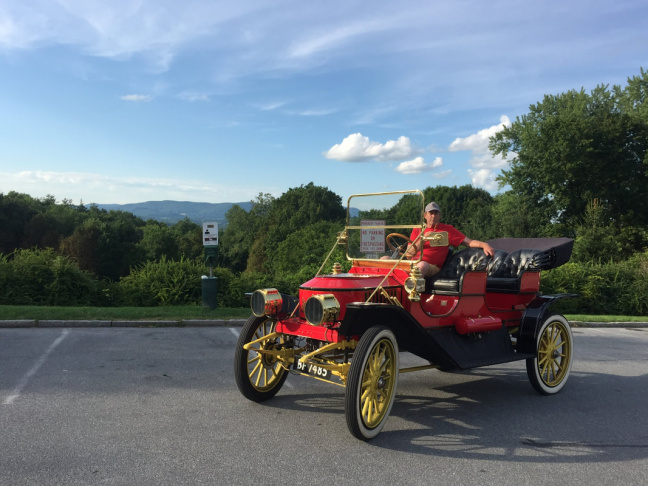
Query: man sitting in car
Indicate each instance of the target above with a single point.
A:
(435, 256)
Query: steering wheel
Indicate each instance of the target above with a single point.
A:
(398, 243)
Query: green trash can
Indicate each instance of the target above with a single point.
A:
(209, 291)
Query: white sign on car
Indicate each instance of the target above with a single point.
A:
(372, 240)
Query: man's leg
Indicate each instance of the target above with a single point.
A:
(428, 270)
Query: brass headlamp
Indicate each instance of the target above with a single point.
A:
(266, 302)
(321, 308)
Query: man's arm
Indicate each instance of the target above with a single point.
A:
(413, 249)
(479, 244)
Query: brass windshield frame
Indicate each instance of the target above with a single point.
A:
(348, 227)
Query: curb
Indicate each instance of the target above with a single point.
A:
(35, 323)
(609, 324)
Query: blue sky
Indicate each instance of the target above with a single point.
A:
(118, 101)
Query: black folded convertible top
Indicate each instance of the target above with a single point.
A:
(557, 249)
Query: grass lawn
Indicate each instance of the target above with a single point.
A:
(17, 312)
(583, 318)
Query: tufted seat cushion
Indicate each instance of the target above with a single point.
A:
(495, 264)
(506, 275)
(448, 280)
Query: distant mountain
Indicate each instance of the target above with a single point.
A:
(173, 211)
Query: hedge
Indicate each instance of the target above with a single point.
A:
(603, 288)
(43, 277)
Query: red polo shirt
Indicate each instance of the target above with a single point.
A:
(436, 255)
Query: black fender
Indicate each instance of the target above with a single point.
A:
(533, 317)
(410, 335)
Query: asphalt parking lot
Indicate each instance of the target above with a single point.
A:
(160, 406)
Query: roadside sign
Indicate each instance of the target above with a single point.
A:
(210, 234)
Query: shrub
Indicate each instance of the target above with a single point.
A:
(611, 288)
(635, 296)
(164, 282)
(43, 277)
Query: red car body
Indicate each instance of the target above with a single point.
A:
(348, 327)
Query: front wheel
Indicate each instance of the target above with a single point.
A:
(549, 370)
(258, 376)
(372, 381)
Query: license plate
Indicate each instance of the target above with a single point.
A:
(313, 370)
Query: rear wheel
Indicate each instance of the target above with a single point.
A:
(372, 381)
(549, 370)
(258, 376)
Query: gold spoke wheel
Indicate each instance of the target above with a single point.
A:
(372, 382)
(258, 376)
(549, 370)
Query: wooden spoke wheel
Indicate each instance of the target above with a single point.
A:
(549, 370)
(372, 381)
(258, 376)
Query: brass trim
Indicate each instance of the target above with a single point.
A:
(329, 308)
(329, 347)
(272, 301)
(385, 226)
(437, 238)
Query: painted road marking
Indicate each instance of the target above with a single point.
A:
(25, 379)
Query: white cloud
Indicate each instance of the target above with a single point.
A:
(478, 142)
(192, 96)
(323, 112)
(271, 106)
(481, 158)
(119, 29)
(105, 189)
(418, 166)
(333, 38)
(484, 178)
(358, 148)
(137, 98)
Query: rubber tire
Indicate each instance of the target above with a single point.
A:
(368, 344)
(255, 328)
(548, 381)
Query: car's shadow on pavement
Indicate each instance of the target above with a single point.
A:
(494, 414)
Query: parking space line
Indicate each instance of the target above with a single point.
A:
(25, 379)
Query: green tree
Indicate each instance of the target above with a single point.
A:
(16, 210)
(117, 246)
(158, 241)
(407, 210)
(81, 245)
(296, 209)
(41, 231)
(306, 248)
(515, 216)
(466, 207)
(242, 230)
(575, 147)
(596, 239)
(188, 237)
(237, 239)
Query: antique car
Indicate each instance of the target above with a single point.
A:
(347, 326)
